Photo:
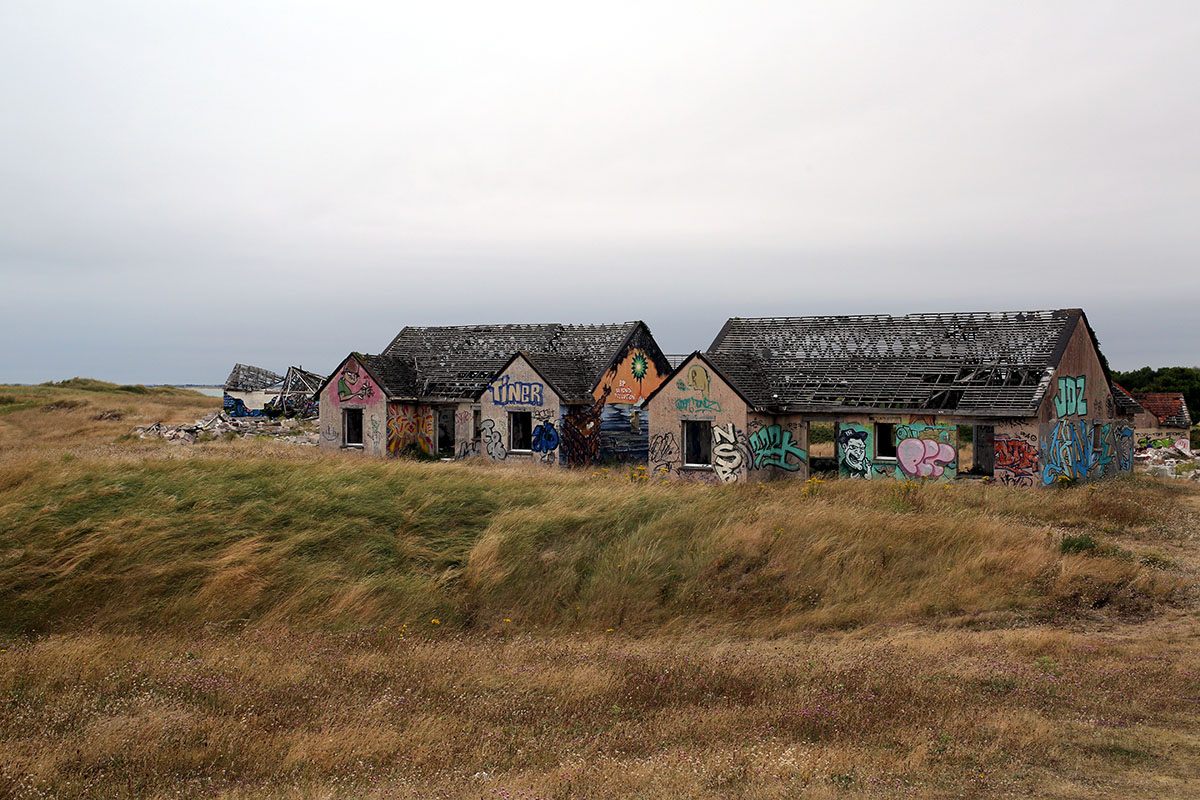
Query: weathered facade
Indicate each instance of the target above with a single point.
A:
(1032, 386)
(703, 427)
(457, 392)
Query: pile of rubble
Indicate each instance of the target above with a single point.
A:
(1169, 462)
(219, 425)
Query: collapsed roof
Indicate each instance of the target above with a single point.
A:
(457, 362)
(246, 378)
(1169, 408)
(987, 364)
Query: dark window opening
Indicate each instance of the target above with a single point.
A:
(520, 430)
(477, 423)
(352, 427)
(983, 450)
(885, 440)
(697, 444)
(445, 432)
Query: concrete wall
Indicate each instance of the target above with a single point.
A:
(352, 387)
(1159, 437)
(926, 448)
(251, 401)
(520, 388)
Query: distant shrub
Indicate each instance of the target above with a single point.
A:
(820, 433)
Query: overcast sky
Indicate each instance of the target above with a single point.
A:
(184, 185)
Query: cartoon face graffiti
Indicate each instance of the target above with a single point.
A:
(352, 385)
(852, 445)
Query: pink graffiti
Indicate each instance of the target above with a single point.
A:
(924, 458)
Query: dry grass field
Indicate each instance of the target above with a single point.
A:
(256, 619)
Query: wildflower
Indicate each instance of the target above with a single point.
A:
(507, 620)
(435, 621)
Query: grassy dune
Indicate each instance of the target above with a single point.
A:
(246, 619)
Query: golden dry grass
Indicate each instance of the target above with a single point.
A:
(252, 619)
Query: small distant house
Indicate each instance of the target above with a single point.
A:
(562, 394)
(1032, 386)
(248, 390)
(1162, 421)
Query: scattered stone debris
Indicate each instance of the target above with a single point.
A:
(1169, 462)
(219, 425)
(111, 414)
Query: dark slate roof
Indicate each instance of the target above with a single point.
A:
(1123, 401)
(992, 364)
(570, 376)
(396, 375)
(1169, 408)
(458, 362)
(245, 378)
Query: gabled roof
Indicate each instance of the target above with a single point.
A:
(1123, 401)
(245, 378)
(714, 365)
(569, 376)
(458, 362)
(988, 363)
(1169, 408)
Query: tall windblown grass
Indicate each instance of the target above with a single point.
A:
(336, 542)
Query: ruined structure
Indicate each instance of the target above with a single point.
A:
(1162, 421)
(248, 389)
(1032, 386)
(559, 394)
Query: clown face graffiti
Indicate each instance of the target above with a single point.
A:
(852, 445)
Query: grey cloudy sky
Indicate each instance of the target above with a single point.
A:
(186, 184)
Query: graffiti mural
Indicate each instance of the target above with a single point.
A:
(507, 392)
(1070, 400)
(492, 441)
(730, 452)
(1077, 450)
(581, 433)
(663, 454)
(409, 426)
(352, 384)
(235, 407)
(854, 451)
(924, 458)
(772, 446)
(696, 380)
(545, 440)
(1016, 458)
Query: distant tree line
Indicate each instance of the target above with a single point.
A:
(1165, 379)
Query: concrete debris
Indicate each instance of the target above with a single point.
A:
(219, 425)
(1169, 462)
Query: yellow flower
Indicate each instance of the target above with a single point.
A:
(435, 621)
(507, 620)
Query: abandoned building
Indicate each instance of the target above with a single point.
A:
(1162, 421)
(248, 389)
(255, 392)
(559, 394)
(1032, 386)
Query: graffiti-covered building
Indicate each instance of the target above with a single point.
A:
(1032, 386)
(562, 394)
(1162, 421)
